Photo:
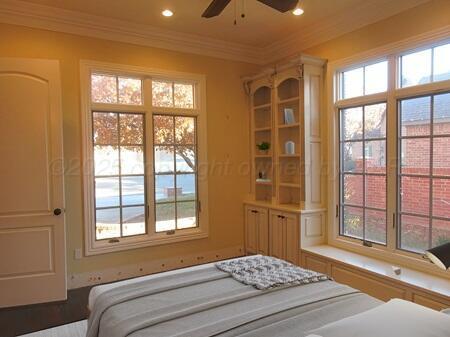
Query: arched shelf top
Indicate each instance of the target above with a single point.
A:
(262, 95)
(288, 88)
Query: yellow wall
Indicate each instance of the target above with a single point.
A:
(226, 108)
(415, 21)
(426, 17)
(227, 133)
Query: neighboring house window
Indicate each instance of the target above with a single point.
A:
(144, 139)
(418, 114)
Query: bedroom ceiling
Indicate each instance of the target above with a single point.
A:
(261, 27)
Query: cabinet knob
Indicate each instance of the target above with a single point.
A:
(57, 211)
(254, 211)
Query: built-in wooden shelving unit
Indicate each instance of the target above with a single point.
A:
(285, 203)
(281, 105)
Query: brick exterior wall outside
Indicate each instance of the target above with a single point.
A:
(415, 190)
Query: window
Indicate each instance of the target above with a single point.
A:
(144, 139)
(424, 172)
(425, 66)
(363, 172)
(370, 79)
(119, 144)
(171, 94)
(393, 188)
(175, 172)
(116, 89)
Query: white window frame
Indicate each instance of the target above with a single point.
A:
(391, 53)
(151, 238)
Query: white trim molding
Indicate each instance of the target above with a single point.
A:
(28, 14)
(370, 11)
(56, 19)
(151, 238)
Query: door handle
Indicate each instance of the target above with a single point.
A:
(57, 211)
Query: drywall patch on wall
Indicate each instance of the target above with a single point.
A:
(151, 267)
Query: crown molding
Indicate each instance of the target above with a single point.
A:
(23, 13)
(367, 13)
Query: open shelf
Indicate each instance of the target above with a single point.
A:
(262, 96)
(288, 89)
(263, 183)
(285, 112)
(285, 126)
(268, 128)
(263, 192)
(262, 106)
(289, 100)
(295, 155)
(290, 185)
(289, 194)
(282, 112)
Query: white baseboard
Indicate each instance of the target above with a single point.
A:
(150, 267)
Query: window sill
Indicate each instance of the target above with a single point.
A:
(408, 276)
(104, 247)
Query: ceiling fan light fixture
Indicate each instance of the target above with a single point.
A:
(298, 11)
(167, 13)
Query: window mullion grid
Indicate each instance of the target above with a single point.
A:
(432, 66)
(120, 175)
(364, 167)
(341, 175)
(117, 89)
(431, 164)
(175, 165)
(364, 81)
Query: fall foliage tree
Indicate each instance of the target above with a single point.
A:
(170, 133)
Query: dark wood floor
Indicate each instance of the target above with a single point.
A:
(21, 320)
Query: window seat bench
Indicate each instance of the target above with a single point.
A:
(376, 277)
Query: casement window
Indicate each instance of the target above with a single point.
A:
(363, 172)
(392, 150)
(144, 137)
(424, 172)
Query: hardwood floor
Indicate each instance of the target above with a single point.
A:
(22, 320)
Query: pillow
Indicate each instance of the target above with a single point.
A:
(397, 318)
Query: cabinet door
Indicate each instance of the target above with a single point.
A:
(251, 230)
(276, 235)
(292, 249)
(263, 232)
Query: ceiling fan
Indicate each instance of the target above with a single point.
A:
(217, 6)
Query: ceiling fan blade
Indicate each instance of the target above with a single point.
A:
(280, 5)
(215, 8)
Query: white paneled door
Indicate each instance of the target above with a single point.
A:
(32, 233)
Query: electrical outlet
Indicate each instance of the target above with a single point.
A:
(78, 254)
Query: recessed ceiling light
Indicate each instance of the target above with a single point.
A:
(167, 12)
(298, 11)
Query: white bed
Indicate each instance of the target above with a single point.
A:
(216, 304)
(98, 290)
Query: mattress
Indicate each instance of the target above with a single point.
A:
(204, 301)
(100, 289)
